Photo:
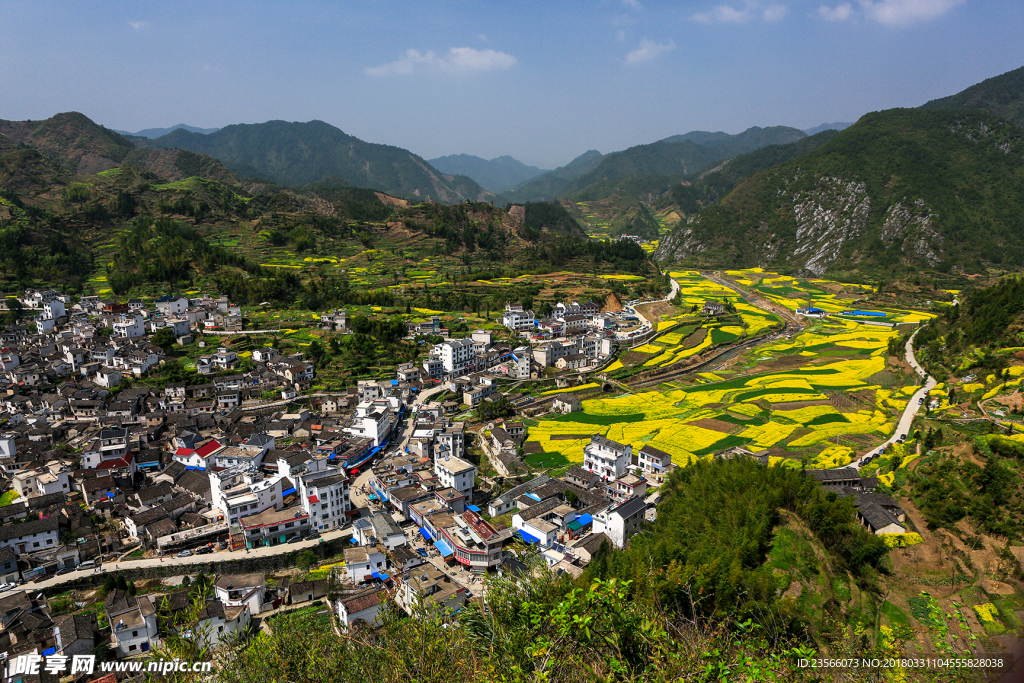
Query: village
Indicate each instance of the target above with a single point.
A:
(97, 474)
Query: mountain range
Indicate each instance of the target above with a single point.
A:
(829, 126)
(497, 175)
(299, 153)
(157, 132)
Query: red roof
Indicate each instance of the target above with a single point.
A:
(126, 461)
(184, 451)
(208, 448)
(314, 499)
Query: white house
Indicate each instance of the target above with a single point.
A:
(455, 473)
(606, 458)
(458, 356)
(620, 521)
(325, 497)
(364, 606)
(236, 590)
(130, 326)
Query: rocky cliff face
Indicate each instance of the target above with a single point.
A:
(902, 188)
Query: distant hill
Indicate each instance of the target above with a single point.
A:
(157, 132)
(550, 184)
(72, 140)
(497, 175)
(1001, 95)
(716, 183)
(750, 139)
(842, 125)
(301, 153)
(645, 171)
(914, 189)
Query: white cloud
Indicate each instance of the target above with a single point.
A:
(458, 60)
(904, 12)
(751, 9)
(649, 50)
(138, 25)
(635, 4)
(840, 12)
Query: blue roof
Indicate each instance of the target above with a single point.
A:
(288, 491)
(533, 495)
(394, 382)
(383, 576)
(426, 533)
(529, 538)
(49, 651)
(585, 519)
(474, 508)
(353, 540)
(375, 575)
(109, 494)
(190, 467)
(443, 548)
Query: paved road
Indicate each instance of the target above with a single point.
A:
(913, 405)
(644, 321)
(186, 562)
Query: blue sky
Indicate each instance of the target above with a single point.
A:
(542, 81)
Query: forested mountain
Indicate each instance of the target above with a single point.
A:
(907, 188)
(299, 153)
(750, 139)
(840, 125)
(497, 175)
(1001, 95)
(551, 183)
(72, 140)
(712, 185)
(157, 132)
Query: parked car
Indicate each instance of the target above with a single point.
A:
(89, 564)
(295, 539)
(205, 550)
(6, 586)
(65, 570)
(185, 553)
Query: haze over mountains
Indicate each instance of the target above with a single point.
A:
(498, 174)
(901, 184)
(157, 132)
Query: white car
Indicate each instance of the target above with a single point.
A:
(6, 586)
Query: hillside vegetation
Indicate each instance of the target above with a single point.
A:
(900, 190)
(1001, 95)
(300, 153)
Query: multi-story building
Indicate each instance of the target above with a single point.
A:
(455, 473)
(236, 590)
(133, 623)
(458, 356)
(654, 462)
(607, 458)
(325, 497)
(517, 318)
(130, 326)
(620, 520)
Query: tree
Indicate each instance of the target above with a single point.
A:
(316, 352)
(305, 560)
(122, 585)
(164, 338)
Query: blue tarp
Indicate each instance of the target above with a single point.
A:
(375, 450)
(394, 382)
(528, 537)
(426, 533)
(443, 548)
(375, 575)
(190, 467)
(532, 495)
(49, 651)
(353, 540)
(332, 456)
(474, 508)
(383, 576)
(585, 519)
(372, 496)
(110, 495)
(288, 491)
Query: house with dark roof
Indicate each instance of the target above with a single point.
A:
(361, 607)
(31, 536)
(76, 634)
(621, 520)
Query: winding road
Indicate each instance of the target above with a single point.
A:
(913, 405)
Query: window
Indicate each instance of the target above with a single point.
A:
(131, 648)
(36, 544)
(135, 634)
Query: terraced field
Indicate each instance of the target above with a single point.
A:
(812, 400)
